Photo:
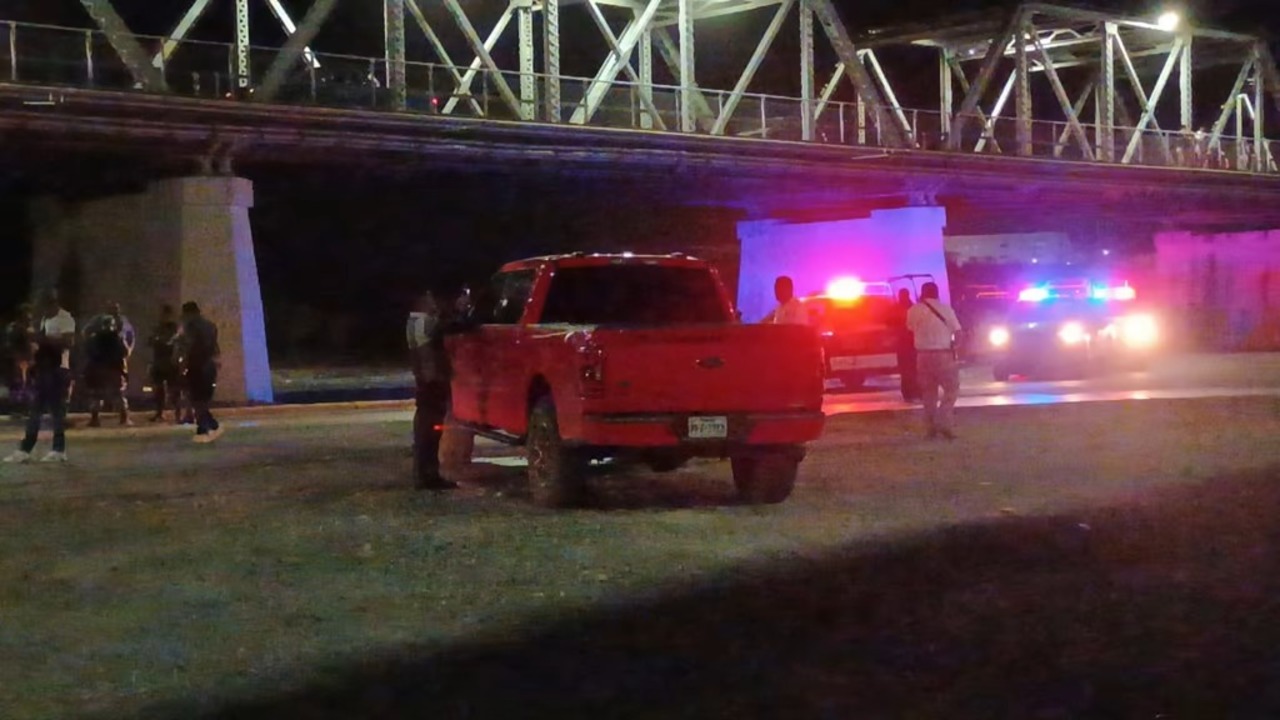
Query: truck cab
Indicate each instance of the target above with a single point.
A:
(860, 326)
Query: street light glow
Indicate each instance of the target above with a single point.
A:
(1169, 21)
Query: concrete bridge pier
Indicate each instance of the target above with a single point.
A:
(181, 239)
(873, 247)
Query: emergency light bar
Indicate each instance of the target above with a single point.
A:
(1040, 293)
(1033, 294)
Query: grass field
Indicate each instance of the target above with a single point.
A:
(1054, 560)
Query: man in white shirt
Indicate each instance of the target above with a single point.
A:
(790, 311)
(934, 325)
(50, 380)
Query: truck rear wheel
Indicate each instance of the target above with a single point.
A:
(556, 473)
(765, 478)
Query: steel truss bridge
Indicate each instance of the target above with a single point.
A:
(1084, 86)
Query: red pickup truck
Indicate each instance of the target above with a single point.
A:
(638, 358)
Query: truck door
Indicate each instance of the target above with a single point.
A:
(506, 371)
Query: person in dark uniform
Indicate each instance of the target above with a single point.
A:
(907, 370)
(19, 349)
(429, 323)
(108, 343)
(164, 364)
(200, 337)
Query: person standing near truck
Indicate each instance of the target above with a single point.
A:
(907, 361)
(424, 334)
(790, 311)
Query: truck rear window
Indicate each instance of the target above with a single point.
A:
(634, 295)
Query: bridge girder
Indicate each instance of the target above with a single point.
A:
(1057, 63)
(672, 23)
(1068, 49)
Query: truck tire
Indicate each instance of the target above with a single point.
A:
(556, 473)
(766, 478)
(666, 462)
(1000, 373)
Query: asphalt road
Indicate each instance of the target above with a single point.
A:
(1171, 377)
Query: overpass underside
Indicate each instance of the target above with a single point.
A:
(104, 142)
(1071, 112)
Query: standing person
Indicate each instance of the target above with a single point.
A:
(19, 345)
(202, 359)
(183, 412)
(934, 325)
(425, 333)
(50, 380)
(164, 364)
(907, 370)
(790, 311)
(129, 338)
(109, 340)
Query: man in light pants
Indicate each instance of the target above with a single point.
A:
(935, 325)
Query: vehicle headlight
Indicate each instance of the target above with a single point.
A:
(1073, 333)
(1139, 331)
(998, 337)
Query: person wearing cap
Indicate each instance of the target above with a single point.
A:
(934, 325)
(200, 342)
(50, 380)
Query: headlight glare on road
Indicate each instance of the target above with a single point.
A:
(1139, 331)
(998, 337)
(1072, 333)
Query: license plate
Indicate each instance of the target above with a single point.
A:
(708, 428)
(861, 362)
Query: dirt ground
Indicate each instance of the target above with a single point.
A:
(1096, 560)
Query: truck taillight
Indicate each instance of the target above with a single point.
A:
(591, 370)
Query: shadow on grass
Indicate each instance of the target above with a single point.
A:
(623, 486)
(1166, 609)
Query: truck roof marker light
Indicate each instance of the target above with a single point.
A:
(846, 288)
(1033, 294)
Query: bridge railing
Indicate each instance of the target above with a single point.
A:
(82, 58)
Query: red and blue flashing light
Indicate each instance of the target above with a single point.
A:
(1104, 293)
(846, 288)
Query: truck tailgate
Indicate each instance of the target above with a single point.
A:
(720, 368)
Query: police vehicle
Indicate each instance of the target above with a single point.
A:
(859, 323)
(1072, 328)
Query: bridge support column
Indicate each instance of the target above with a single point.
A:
(182, 239)
(1219, 291)
(872, 248)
